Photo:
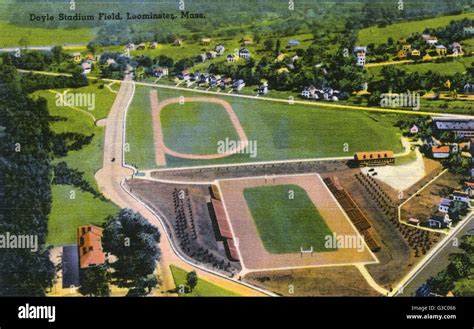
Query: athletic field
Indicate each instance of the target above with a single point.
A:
(271, 230)
(286, 219)
(277, 131)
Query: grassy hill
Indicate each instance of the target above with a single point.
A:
(378, 35)
(39, 36)
(67, 213)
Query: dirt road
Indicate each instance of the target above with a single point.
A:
(114, 171)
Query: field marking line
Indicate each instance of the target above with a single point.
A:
(370, 280)
(298, 267)
(75, 108)
(160, 148)
(348, 219)
(246, 270)
(243, 164)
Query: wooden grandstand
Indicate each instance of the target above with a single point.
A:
(223, 224)
(353, 211)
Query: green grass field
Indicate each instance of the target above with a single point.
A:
(38, 36)
(378, 35)
(182, 126)
(67, 214)
(139, 131)
(289, 223)
(281, 131)
(459, 65)
(202, 289)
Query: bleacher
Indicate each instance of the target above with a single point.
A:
(224, 227)
(352, 210)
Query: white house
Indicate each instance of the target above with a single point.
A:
(444, 205)
(239, 84)
(469, 30)
(462, 197)
(432, 40)
(219, 49)
(309, 92)
(130, 46)
(86, 67)
(293, 43)
(361, 60)
(262, 89)
(230, 58)
(184, 75)
(439, 222)
(456, 47)
(414, 129)
(244, 53)
(161, 71)
(469, 188)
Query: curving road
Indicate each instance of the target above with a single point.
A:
(110, 180)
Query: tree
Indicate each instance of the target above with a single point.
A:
(191, 280)
(24, 42)
(95, 281)
(457, 209)
(25, 187)
(457, 164)
(278, 46)
(134, 242)
(268, 45)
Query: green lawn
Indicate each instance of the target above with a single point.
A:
(202, 289)
(450, 67)
(378, 35)
(67, 214)
(139, 131)
(38, 36)
(184, 124)
(291, 222)
(281, 131)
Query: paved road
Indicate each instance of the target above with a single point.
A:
(438, 263)
(110, 179)
(430, 256)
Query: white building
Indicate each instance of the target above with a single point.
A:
(444, 205)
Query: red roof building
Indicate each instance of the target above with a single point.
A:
(440, 152)
(89, 241)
